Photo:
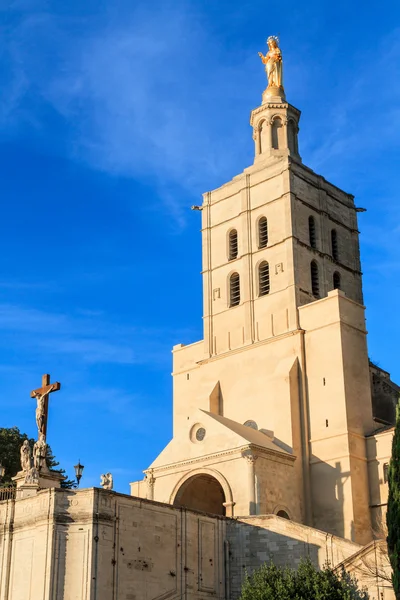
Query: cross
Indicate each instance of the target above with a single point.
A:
(42, 397)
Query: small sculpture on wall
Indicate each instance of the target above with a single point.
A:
(106, 481)
(32, 476)
(40, 454)
(25, 454)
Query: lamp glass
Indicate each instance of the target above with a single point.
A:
(78, 470)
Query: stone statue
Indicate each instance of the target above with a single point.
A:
(273, 63)
(106, 481)
(32, 476)
(40, 412)
(40, 454)
(41, 396)
(25, 454)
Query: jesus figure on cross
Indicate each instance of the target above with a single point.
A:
(42, 398)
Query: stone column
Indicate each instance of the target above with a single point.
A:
(256, 138)
(251, 462)
(285, 132)
(229, 508)
(150, 482)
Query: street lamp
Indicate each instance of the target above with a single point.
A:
(78, 472)
(2, 471)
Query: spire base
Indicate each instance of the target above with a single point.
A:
(273, 94)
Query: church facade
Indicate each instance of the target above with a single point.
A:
(278, 409)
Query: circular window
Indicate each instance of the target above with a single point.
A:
(200, 434)
(251, 424)
(197, 433)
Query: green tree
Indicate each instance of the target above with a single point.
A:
(393, 509)
(11, 440)
(270, 582)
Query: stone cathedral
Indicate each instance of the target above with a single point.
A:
(282, 426)
(278, 410)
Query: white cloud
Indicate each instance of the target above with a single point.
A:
(139, 97)
(85, 336)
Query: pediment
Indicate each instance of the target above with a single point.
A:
(220, 435)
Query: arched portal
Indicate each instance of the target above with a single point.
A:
(201, 492)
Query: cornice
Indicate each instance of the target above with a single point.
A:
(302, 171)
(274, 105)
(239, 451)
(324, 212)
(249, 346)
(327, 256)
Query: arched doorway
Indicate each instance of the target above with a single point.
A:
(201, 492)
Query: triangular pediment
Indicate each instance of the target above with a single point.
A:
(220, 435)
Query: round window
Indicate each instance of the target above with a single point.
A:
(200, 434)
(197, 433)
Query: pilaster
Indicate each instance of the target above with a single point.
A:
(251, 458)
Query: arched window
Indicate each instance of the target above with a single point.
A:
(264, 132)
(311, 232)
(262, 232)
(292, 136)
(314, 279)
(336, 281)
(385, 472)
(234, 289)
(277, 134)
(263, 278)
(233, 244)
(283, 514)
(252, 424)
(334, 242)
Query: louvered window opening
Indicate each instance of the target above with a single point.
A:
(233, 244)
(262, 232)
(311, 231)
(263, 279)
(234, 290)
(336, 281)
(335, 252)
(314, 279)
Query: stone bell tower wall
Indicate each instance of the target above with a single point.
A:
(333, 211)
(340, 410)
(238, 206)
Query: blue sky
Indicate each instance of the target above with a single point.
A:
(115, 116)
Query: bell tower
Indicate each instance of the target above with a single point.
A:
(274, 404)
(275, 237)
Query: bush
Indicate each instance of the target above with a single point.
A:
(307, 583)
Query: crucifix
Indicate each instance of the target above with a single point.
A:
(42, 409)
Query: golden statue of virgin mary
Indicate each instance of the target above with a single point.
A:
(273, 66)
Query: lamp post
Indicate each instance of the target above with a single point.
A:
(2, 471)
(78, 472)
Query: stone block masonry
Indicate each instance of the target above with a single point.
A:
(94, 544)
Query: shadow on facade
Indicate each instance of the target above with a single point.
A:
(327, 491)
(249, 546)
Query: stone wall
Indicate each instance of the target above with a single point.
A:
(95, 544)
(255, 540)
